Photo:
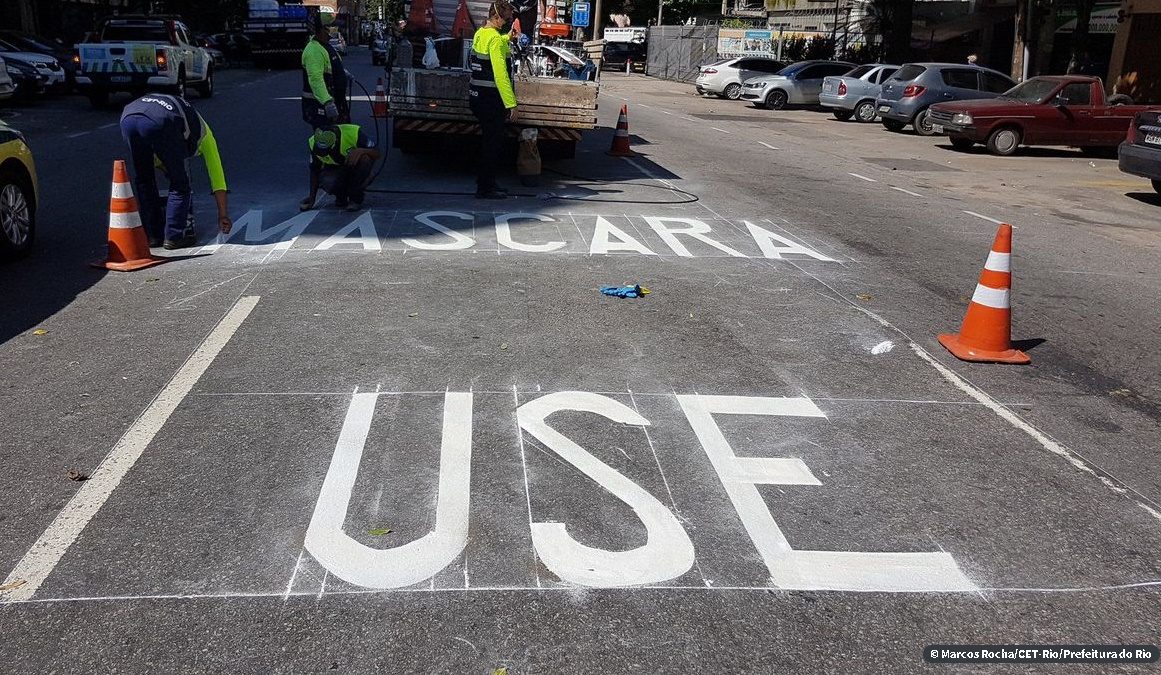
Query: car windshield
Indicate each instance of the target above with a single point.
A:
(1032, 91)
(858, 72)
(908, 73)
(135, 34)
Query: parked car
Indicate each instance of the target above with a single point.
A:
(17, 194)
(724, 78)
(7, 85)
(48, 66)
(380, 51)
(797, 84)
(1140, 154)
(27, 80)
(617, 54)
(54, 48)
(854, 93)
(908, 94)
(338, 42)
(1047, 110)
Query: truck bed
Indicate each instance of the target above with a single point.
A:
(442, 94)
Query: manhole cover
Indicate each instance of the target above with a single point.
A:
(745, 118)
(908, 164)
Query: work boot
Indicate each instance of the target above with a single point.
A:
(155, 242)
(185, 242)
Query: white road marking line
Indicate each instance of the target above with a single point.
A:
(642, 105)
(688, 119)
(980, 215)
(524, 464)
(110, 124)
(666, 112)
(290, 584)
(77, 135)
(861, 177)
(48, 550)
(721, 130)
(767, 145)
(907, 192)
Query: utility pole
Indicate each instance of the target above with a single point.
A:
(597, 20)
(660, 6)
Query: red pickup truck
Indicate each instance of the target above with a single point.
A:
(1047, 110)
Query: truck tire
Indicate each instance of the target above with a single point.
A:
(961, 143)
(98, 98)
(205, 88)
(1004, 141)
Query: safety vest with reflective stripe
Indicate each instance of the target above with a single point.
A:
(490, 79)
(317, 66)
(348, 139)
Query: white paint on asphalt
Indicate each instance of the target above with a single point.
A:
(286, 232)
(721, 130)
(624, 241)
(459, 241)
(667, 553)
(77, 134)
(801, 569)
(368, 237)
(415, 561)
(109, 125)
(693, 228)
(883, 347)
(862, 177)
(765, 240)
(689, 119)
(980, 215)
(48, 550)
(763, 143)
(906, 192)
(504, 233)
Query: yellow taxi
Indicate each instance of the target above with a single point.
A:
(18, 194)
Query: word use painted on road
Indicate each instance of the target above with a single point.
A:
(667, 552)
(534, 233)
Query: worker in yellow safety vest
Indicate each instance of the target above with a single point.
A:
(491, 96)
(324, 78)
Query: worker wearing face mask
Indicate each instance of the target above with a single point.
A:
(491, 96)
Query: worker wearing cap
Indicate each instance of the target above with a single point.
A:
(491, 96)
(167, 130)
(341, 157)
(324, 78)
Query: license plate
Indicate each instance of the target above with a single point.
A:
(884, 108)
(1153, 139)
(937, 128)
(120, 79)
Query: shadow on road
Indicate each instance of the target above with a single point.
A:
(1150, 198)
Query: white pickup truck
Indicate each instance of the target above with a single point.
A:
(143, 53)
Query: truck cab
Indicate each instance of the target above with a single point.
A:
(137, 54)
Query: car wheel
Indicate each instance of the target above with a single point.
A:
(733, 91)
(892, 125)
(206, 87)
(1156, 185)
(922, 123)
(961, 142)
(17, 217)
(1003, 141)
(776, 100)
(841, 115)
(865, 111)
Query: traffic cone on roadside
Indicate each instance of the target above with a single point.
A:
(986, 334)
(379, 107)
(128, 244)
(621, 136)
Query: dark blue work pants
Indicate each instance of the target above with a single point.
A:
(148, 138)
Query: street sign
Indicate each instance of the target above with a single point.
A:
(580, 14)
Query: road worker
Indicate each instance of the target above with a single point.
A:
(341, 158)
(165, 131)
(491, 96)
(324, 79)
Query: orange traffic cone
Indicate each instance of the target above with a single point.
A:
(621, 136)
(128, 245)
(986, 334)
(379, 107)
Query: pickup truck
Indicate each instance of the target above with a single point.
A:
(1069, 110)
(143, 53)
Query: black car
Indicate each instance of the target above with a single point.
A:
(30, 43)
(1140, 154)
(28, 80)
(618, 53)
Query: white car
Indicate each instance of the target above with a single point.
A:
(7, 86)
(724, 78)
(44, 64)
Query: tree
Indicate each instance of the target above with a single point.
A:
(1079, 61)
(890, 20)
(392, 10)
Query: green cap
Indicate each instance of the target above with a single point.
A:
(324, 139)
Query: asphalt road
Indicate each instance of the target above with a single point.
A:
(419, 439)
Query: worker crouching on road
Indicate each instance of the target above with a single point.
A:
(324, 78)
(341, 158)
(491, 96)
(168, 130)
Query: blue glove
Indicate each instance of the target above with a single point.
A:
(634, 291)
(332, 111)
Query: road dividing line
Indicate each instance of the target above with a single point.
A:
(666, 112)
(110, 124)
(906, 192)
(980, 215)
(861, 177)
(77, 135)
(689, 119)
(767, 145)
(721, 130)
(48, 550)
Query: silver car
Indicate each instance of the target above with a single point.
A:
(797, 84)
(724, 78)
(854, 94)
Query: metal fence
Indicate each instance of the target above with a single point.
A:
(676, 52)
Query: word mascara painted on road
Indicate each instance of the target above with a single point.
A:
(667, 553)
(459, 231)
